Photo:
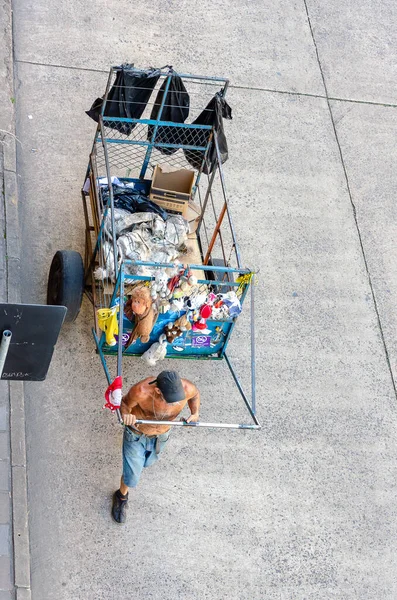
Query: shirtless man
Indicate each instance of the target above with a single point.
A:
(160, 399)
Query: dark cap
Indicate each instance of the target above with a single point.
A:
(170, 385)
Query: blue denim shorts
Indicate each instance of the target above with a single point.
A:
(140, 451)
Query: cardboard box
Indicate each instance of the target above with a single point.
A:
(172, 191)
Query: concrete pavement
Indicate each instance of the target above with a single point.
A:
(305, 509)
(14, 543)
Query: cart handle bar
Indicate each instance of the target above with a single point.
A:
(109, 119)
(167, 73)
(199, 424)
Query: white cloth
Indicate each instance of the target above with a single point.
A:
(143, 236)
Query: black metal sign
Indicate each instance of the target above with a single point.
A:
(28, 334)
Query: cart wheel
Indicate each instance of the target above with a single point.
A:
(66, 282)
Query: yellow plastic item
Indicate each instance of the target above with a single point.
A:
(108, 323)
(244, 280)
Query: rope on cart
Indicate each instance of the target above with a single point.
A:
(244, 280)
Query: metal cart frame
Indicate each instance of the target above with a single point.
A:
(220, 264)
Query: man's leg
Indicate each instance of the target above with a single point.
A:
(133, 462)
(123, 487)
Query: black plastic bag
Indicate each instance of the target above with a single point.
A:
(133, 201)
(213, 114)
(127, 97)
(176, 109)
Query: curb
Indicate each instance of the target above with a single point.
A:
(8, 140)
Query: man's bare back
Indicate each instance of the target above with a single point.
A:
(145, 401)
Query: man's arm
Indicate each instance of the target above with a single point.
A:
(194, 405)
(128, 402)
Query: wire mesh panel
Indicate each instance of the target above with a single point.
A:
(128, 154)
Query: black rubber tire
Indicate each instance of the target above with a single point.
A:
(66, 282)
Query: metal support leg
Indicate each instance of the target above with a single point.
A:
(253, 375)
(102, 357)
(240, 389)
(105, 368)
(4, 346)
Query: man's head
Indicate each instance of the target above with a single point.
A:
(170, 386)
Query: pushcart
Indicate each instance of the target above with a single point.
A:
(127, 155)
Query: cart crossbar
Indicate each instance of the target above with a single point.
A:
(156, 144)
(165, 73)
(196, 267)
(154, 122)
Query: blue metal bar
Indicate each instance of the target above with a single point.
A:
(105, 368)
(155, 122)
(110, 352)
(195, 267)
(102, 339)
(102, 357)
(139, 277)
(150, 147)
(200, 281)
(237, 382)
(146, 143)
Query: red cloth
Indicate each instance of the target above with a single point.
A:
(117, 384)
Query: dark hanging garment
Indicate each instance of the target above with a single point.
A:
(175, 109)
(127, 97)
(214, 113)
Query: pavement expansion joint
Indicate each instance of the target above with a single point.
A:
(354, 210)
(231, 86)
